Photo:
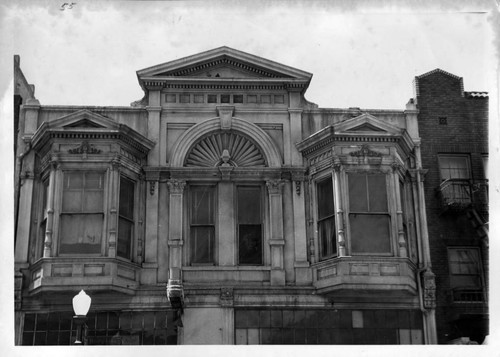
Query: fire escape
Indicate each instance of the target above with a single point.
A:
(470, 197)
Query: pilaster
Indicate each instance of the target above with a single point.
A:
(226, 224)
(175, 227)
(301, 265)
(276, 240)
(150, 264)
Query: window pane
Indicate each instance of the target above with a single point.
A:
(73, 180)
(358, 199)
(325, 198)
(326, 231)
(249, 205)
(370, 233)
(81, 233)
(72, 201)
(377, 193)
(202, 205)
(125, 233)
(202, 244)
(94, 180)
(454, 167)
(126, 198)
(93, 201)
(250, 244)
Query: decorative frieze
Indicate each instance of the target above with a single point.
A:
(226, 297)
(429, 284)
(365, 151)
(84, 149)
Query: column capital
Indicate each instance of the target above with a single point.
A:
(274, 186)
(176, 186)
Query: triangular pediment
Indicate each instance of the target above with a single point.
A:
(84, 119)
(226, 63)
(366, 124)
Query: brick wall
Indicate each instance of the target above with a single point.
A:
(450, 121)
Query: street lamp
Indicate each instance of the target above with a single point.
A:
(81, 306)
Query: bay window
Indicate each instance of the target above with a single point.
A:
(126, 218)
(326, 219)
(368, 213)
(82, 213)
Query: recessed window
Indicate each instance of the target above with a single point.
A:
(265, 99)
(249, 225)
(225, 98)
(238, 98)
(368, 214)
(202, 224)
(212, 98)
(326, 219)
(279, 99)
(170, 98)
(454, 167)
(82, 213)
(251, 99)
(198, 98)
(465, 274)
(184, 98)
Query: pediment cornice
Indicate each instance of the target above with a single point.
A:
(85, 125)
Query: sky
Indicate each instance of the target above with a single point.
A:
(361, 53)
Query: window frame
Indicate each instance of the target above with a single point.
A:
(189, 251)
(317, 219)
(102, 212)
(466, 157)
(388, 213)
(479, 274)
(132, 220)
(261, 187)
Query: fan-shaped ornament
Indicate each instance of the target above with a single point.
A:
(225, 149)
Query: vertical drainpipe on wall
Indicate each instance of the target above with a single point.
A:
(425, 273)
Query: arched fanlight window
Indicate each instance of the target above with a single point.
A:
(225, 148)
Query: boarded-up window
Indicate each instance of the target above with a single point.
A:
(202, 225)
(82, 213)
(326, 219)
(249, 225)
(126, 218)
(368, 214)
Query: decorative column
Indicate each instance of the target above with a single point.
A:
(113, 183)
(49, 229)
(402, 241)
(150, 264)
(301, 265)
(276, 240)
(175, 233)
(175, 290)
(227, 303)
(339, 220)
(428, 280)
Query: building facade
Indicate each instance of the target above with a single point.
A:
(224, 208)
(453, 126)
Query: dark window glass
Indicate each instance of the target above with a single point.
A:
(126, 218)
(237, 98)
(326, 219)
(184, 98)
(225, 98)
(202, 226)
(212, 98)
(249, 225)
(369, 217)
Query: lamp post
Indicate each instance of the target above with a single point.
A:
(81, 306)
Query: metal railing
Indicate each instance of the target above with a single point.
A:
(459, 194)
